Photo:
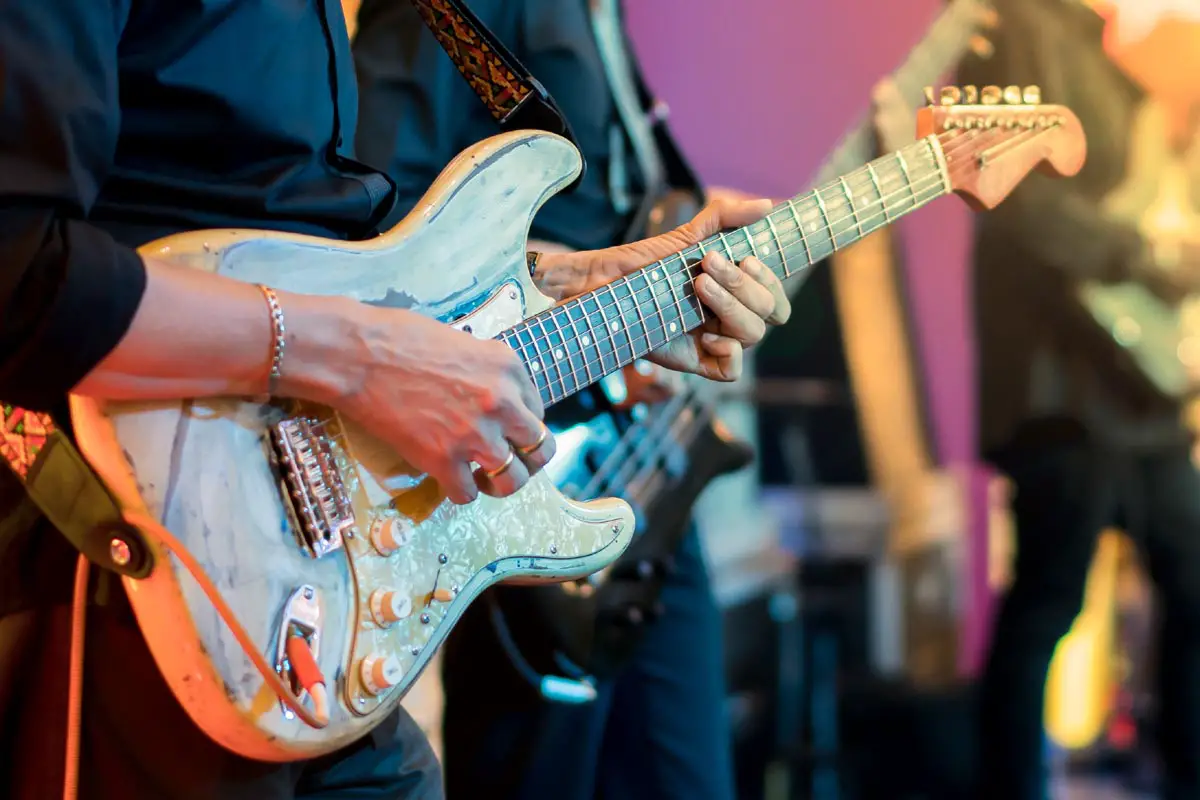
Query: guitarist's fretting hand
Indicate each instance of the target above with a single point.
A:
(744, 299)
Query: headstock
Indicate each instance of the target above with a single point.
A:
(993, 136)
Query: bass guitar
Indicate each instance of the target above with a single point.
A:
(300, 575)
(596, 622)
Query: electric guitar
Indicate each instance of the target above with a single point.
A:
(301, 574)
(1163, 338)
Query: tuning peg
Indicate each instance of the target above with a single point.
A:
(1032, 95)
(991, 96)
(1013, 95)
(982, 46)
(970, 95)
(950, 96)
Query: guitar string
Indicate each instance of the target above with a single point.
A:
(546, 383)
(653, 445)
(958, 140)
(915, 190)
(611, 471)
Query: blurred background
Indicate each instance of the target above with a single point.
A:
(860, 561)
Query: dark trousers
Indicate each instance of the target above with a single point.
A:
(1066, 493)
(139, 744)
(656, 732)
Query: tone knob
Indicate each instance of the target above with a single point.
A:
(389, 534)
(388, 606)
(380, 673)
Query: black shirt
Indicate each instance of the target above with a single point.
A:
(125, 121)
(416, 112)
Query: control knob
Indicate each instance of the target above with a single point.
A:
(388, 606)
(380, 673)
(389, 534)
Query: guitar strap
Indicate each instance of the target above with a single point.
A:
(58, 480)
(515, 99)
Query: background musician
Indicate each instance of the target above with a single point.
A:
(123, 122)
(660, 729)
(1086, 441)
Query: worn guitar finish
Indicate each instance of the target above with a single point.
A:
(202, 468)
(270, 524)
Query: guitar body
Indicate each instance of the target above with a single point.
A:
(221, 477)
(1163, 339)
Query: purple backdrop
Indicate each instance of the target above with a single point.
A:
(760, 92)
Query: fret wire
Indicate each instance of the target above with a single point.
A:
(750, 241)
(908, 182)
(787, 273)
(825, 218)
(587, 321)
(879, 190)
(624, 323)
(944, 176)
(675, 300)
(587, 372)
(565, 345)
(552, 360)
(658, 306)
(850, 202)
(791, 204)
(608, 328)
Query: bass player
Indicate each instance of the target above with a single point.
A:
(659, 729)
(123, 122)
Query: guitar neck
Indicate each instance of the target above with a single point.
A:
(573, 345)
(945, 42)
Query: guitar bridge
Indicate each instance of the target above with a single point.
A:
(311, 483)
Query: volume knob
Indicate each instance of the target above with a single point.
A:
(389, 534)
(380, 673)
(388, 606)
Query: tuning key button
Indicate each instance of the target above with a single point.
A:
(389, 606)
(389, 534)
(380, 673)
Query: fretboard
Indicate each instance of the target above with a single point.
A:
(576, 343)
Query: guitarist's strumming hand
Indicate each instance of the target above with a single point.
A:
(743, 299)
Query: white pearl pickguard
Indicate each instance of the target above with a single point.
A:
(201, 468)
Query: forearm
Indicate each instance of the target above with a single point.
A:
(200, 335)
(1069, 232)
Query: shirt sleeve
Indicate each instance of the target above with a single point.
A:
(1051, 219)
(68, 291)
(416, 112)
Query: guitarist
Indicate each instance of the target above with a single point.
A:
(659, 729)
(193, 139)
(1085, 441)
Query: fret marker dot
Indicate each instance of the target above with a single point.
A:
(812, 227)
(672, 327)
(558, 353)
(584, 340)
(535, 366)
(615, 326)
(654, 275)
